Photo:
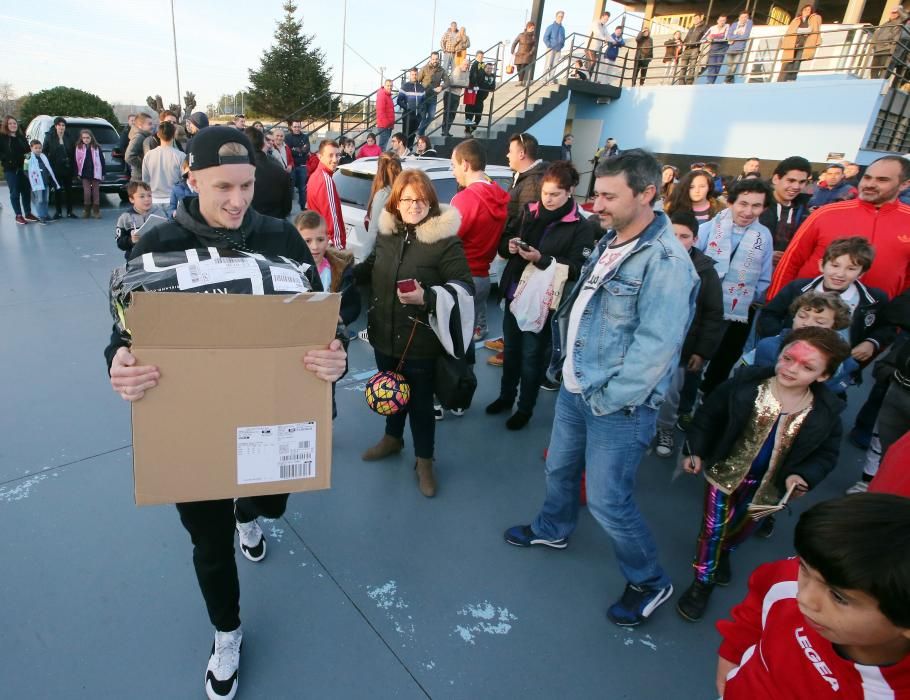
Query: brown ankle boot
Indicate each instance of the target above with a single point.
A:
(87, 212)
(96, 211)
(426, 482)
(384, 448)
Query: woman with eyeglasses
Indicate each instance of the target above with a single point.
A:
(552, 230)
(417, 248)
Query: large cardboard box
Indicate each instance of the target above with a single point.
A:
(235, 412)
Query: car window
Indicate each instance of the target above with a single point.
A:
(105, 135)
(353, 188)
(446, 188)
(504, 182)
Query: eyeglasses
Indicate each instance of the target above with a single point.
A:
(413, 202)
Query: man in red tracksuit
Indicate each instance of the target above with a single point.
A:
(322, 196)
(833, 622)
(483, 206)
(877, 215)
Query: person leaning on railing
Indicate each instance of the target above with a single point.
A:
(800, 41)
(884, 41)
(688, 62)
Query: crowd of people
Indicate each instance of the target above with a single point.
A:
(724, 320)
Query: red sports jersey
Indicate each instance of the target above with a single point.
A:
(781, 657)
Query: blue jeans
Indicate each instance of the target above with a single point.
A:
(19, 189)
(715, 61)
(39, 199)
(609, 448)
(429, 111)
(383, 136)
(525, 358)
(300, 180)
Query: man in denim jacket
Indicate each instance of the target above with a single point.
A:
(617, 338)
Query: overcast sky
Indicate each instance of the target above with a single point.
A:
(122, 50)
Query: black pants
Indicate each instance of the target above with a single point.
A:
(640, 71)
(420, 374)
(450, 103)
(409, 123)
(474, 112)
(524, 361)
(64, 193)
(728, 352)
(211, 528)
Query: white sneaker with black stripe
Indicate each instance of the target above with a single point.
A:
(252, 541)
(222, 673)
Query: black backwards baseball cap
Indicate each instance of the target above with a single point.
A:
(207, 142)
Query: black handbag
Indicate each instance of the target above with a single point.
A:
(455, 382)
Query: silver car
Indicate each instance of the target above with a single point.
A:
(355, 180)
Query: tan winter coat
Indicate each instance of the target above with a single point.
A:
(813, 39)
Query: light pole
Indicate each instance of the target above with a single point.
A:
(176, 65)
(344, 34)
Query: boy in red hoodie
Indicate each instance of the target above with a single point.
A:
(834, 622)
(483, 206)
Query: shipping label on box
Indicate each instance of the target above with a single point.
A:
(235, 412)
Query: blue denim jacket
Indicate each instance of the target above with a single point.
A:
(631, 333)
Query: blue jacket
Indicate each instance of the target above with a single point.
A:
(630, 336)
(738, 42)
(555, 36)
(614, 44)
(826, 195)
(411, 96)
(767, 350)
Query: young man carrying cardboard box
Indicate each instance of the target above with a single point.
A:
(222, 171)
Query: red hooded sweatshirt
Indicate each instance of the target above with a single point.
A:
(483, 206)
(323, 197)
(781, 656)
(886, 228)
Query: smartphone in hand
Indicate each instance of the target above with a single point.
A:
(524, 246)
(408, 285)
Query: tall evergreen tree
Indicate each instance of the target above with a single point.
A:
(291, 73)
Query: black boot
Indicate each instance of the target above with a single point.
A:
(723, 574)
(692, 604)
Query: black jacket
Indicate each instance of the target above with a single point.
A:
(61, 155)
(708, 324)
(896, 364)
(432, 254)
(569, 241)
(272, 193)
(300, 147)
(775, 316)
(257, 234)
(13, 150)
(722, 417)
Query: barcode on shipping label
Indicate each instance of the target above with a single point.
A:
(286, 280)
(276, 452)
(205, 272)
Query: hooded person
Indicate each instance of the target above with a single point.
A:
(222, 169)
(196, 122)
(484, 207)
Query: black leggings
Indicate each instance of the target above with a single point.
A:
(420, 375)
(211, 528)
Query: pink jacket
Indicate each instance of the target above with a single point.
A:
(96, 161)
(368, 151)
(385, 110)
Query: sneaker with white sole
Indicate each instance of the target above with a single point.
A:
(665, 445)
(523, 536)
(252, 541)
(364, 336)
(637, 604)
(222, 672)
(438, 412)
(859, 487)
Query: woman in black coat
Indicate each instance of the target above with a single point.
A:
(13, 149)
(417, 248)
(551, 230)
(60, 148)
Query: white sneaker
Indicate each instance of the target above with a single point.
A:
(438, 412)
(364, 336)
(252, 541)
(222, 673)
(665, 446)
(458, 412)
(859, 487)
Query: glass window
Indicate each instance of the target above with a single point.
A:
(353, 188)
(104, 135)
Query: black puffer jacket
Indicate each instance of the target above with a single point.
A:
(61, 155)
(257, 234)
(272, 194)
(13, 149)
(722, 417)
(432, 254)
(708, 324)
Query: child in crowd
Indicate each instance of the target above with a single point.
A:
(40, 174)
(335, 267)
(127, 230)
(704, 334)
(833, 622)
(843, 263)
(182, 189)
(810, 310)
(759, 434)
(90, 169)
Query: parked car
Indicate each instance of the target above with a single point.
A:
(354, 181)
(115, 174)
